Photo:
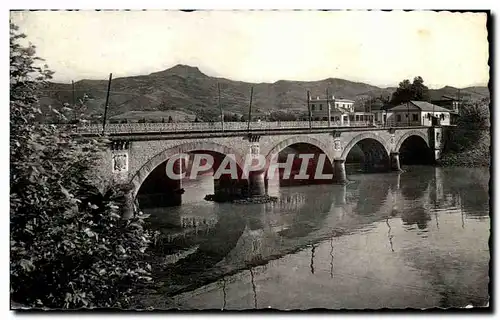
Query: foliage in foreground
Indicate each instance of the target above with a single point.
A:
(69, 246)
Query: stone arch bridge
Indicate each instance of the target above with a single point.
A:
(135, 154)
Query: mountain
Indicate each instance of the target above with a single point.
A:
(191, 93)
(469, 93)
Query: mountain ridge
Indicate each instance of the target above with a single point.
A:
(187, 89)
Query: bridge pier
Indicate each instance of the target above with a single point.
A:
(339, 174)
(257, 184)
(128, 209)
(395, 165)
(228, 188)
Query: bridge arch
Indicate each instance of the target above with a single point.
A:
(300, 139)
(363, 136)
(413, 148)
(140, 176)
(408, 134)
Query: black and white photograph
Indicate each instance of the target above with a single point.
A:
(236, 160)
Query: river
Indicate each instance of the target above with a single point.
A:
(416, 239)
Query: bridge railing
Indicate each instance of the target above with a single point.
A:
(213, 126)
(403, 124)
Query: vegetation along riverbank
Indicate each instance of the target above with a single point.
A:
(469, 143)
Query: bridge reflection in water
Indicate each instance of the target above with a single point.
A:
(205, 242)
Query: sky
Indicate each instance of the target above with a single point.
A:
(379, 48)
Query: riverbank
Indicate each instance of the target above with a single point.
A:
(477, 155)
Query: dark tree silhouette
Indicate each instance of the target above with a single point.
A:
(408, 91)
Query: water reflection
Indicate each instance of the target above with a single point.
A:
(331, 256)
(313, 248)
(417, 215)
(389, 234)
(213, 240)
(253, 289)
(224, 294)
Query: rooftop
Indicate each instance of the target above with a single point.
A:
(422, 106)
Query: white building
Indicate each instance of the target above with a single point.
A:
(340, 111)
(414, 113)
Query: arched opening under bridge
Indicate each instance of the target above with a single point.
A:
(415, 151)
(367, 155)
(160, 190)
(306, 164)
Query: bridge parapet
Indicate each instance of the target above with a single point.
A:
(211, 126)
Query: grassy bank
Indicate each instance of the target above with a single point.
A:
(467, 154)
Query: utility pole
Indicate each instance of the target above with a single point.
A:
(74, 101)
(329, 109)
(370, 109)
(106, 105)
(250, 109)
(408, 112)
(433, 115)
(220, 107)
(73, 89)
(309, 109)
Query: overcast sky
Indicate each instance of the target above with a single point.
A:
(380, 48)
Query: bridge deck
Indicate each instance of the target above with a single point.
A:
(183, 130)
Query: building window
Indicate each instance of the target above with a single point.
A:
(398, 118)
(312, 107)
(414, 117)
(320, 107)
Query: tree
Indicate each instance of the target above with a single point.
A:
(69, 246)
(420, 92)
(371, 104)
(468, 144)
(231, 117)
(410, 91)
(282, 116)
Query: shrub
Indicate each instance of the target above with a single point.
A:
(69, 246)
(468, 143)
(471, 126)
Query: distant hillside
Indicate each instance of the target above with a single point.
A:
(470, 93)
(192, 93)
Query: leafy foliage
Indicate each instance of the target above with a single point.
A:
(282, 116)
(231, 117)
(468, 143)
(69, 246)
(408, 91)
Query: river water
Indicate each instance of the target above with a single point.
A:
(416, 239)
